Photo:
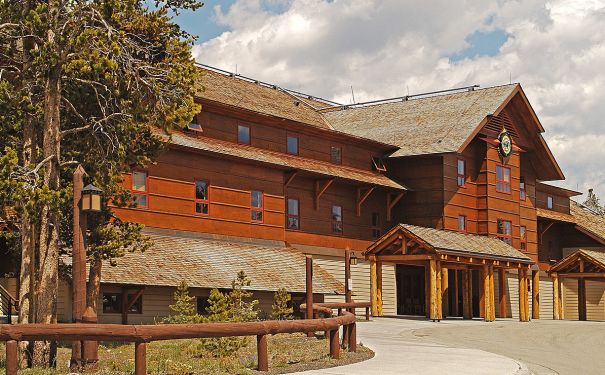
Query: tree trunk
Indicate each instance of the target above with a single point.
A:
(94, 284)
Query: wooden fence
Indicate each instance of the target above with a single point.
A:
(140, 335)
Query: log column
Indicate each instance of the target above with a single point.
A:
(556, 303)
(488, 305)
(535, 294)
(379, 286)
(581, 294)
(427, 290)
(309, 289)
(433, 290)
(467, 295)
(492, 293)
(503, 298)
(445, 295)
(373, 286)
(455, 306)
(523, 295)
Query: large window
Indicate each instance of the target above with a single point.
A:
(336, 155)
(502, 179)
(243, 134)
(112, 303)
(549, 202)
(293, 214)
(462, 223)
(505, 231)
(140, 190)
(375, 225)
(522, 193)
(292, 145)
(202, 200)
(461, 172)
(523, 235)
(337, 219)
(257, 206)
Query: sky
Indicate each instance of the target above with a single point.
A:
(555, 49)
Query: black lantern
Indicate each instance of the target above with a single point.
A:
(353, 259)
(91, 199)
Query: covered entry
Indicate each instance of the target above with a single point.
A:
(439, 257)
(587, 269)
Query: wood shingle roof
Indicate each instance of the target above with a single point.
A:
(588, 221)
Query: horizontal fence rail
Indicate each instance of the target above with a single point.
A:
(142, 334)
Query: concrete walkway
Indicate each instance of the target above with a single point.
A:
(400, 351)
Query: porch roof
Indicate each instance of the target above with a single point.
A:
(581, 263)
(406, 239)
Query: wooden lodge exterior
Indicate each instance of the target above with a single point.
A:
(416, 187)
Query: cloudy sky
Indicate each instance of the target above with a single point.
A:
(555, 49)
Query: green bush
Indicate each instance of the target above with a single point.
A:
(281, 308)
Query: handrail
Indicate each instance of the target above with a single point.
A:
(7, 293)
(142, 334)
(9, 304)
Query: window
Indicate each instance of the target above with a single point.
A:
(461, 172)
(378, 164)
(337, 219)
(139, 189)
(112, 303)
(293, 214)
(375, 225)
(522, 193)
(257, 210)
(243, 134)
(462, 223)
(202, 201)
(292, 145)
(502, 179)
(194, 125)
(549, 202)
(202, 305)
(336, 155)
(523, 236)
(505, 231)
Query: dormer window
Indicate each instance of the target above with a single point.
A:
(243, 134)
(336, 155)
(549, 202)
(292, 145)
(378, 164)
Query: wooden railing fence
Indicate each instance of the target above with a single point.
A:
(8, 304)
(140, 335)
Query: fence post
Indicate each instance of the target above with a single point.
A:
(140, 358)
(262, 353)
(9, 313)
(334, 344)
(353, 337)
(367, 313)
(11, 357)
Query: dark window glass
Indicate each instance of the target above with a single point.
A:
(292, 145)
(505, 231)
(336, 155)
(256, 205)
(461, 172)
(112, 303)
(549, 202)
(293, 214)
(502, 179)
(337, 219)
(202, 305)
(243, 134)
(139, 188)
(522, 193)
(462, 223)
(202, 201)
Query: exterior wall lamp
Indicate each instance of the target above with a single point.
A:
(353, 259)
(91, 199)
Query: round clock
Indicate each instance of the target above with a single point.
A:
(506, 144)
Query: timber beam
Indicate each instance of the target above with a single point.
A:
(320, 188)
(361, 197)
(392, 200)
(289, 177)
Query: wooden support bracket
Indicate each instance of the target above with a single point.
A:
(320, 187)
(392, 200)
(362, 196)
(289, 177)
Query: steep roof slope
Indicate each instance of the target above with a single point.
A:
(435, 124)
(589, 221)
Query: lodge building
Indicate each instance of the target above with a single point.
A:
(443, 197)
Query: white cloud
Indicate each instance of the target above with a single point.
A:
(556, 49)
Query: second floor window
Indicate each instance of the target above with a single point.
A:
(256, 206)
(523, 236)
(461, 172)
(462, 223)
(293, 219)
(337, 219)
(292, 145)
(505, 231)
(336, 155)
(375, 225)
(502, 179)
(202, 201)
(549, 202)
(243, 134)
(522, 193)
(140, 190)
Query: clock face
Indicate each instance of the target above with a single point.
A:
(506, 144)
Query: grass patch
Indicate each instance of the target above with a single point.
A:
(287, 353)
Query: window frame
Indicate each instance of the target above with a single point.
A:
(550, 202)
(523, 237)
(522, 189)
(463, 175)
(202, 201)
(332, 221)
(465, 229)
(508, 238)
(503, 182)
(376, 228)
(136, 193)
(260, 209)
(339, 162)
(239, 141)
(288, 215)
(288, 136)
(120, 300)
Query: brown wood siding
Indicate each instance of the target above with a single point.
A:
(561, 203)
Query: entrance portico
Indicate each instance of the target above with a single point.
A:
(443, 252)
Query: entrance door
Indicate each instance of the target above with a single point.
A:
(410, 290)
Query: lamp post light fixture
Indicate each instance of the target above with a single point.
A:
(353, 259)
(91, 199)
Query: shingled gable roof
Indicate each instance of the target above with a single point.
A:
(454, 243)
(286, 161)
(589, 222)
(207, 263)
(570, 263)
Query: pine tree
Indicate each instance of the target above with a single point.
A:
(593, 203)
(184, 308)
(281, 309)
(242, 309)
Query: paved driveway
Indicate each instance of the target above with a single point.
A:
(405, 346)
